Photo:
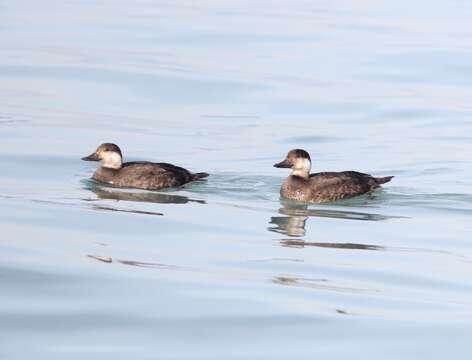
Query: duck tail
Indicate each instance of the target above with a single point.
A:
(200, 175)
(383, 180)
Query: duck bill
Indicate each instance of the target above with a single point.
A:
(283, 164)
(91, 157)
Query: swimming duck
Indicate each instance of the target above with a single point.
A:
(137, 174)
(324, 186)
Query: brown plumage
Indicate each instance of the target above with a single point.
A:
(324, 186)
(137, 174)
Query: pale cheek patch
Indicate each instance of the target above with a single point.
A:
(111, 160)
(302, 165)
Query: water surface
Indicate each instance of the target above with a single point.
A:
(223, 268)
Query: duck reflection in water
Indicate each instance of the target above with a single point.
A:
(293, 224)
(106, 193)
(296, 216)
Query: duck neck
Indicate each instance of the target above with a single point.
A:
(301, 173)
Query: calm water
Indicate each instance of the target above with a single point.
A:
(224, 269)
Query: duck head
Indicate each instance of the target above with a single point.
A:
(109, 154)
(299, 161)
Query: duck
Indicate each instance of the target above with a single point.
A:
(324, 186)
(144, 175)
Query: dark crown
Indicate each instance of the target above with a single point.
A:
(300, 153)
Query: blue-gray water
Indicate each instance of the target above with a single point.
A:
(223, 269)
